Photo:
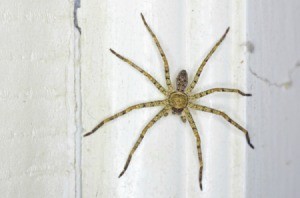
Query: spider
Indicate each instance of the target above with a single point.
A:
(179, 100)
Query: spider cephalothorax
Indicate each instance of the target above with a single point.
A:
(179, 101)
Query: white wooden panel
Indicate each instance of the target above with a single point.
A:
(165, 165)
(273, 36)
(36, 99)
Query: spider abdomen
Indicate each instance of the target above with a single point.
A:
(181, 81)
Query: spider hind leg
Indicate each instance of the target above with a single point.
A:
(225, 116)
(198, 140)
(141, 137)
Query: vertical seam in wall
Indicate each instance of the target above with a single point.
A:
(249, 90)
(187, 23)
(78, 106)
(238, 148)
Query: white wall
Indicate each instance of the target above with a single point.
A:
(36, 99)
(57, 84)
(166, 163)
(273, 32)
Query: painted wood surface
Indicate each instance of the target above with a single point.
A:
(36, 99)
(166, 163)
(273, 41)
(57, 84)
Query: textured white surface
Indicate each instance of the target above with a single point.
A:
(36, 99)
(165, 164)
(274, 111)
(40, 99)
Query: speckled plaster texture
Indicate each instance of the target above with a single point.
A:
(165, 164)
(36, 99)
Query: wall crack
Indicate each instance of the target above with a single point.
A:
(76, 7)
(286, 84)
(78, 101)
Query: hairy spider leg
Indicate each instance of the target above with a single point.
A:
(162, 54)
(210, 91)
(225, 116)
(196, 78)
(142, 135)
(152, 79)
(195, 131)
(127, 110)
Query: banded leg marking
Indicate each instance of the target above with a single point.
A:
(196, 134)
(127, 110)
(196, 78)
(210, 91)
(141, 137)
(151, 78)
(225, 116)
(162, 54)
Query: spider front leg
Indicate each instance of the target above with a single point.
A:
(196, 134)
(162, 54)
(210, 91)
(142, 135)
(199, 71)
(151, 78)
(127, 110)
(225, 116)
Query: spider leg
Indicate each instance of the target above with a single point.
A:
(142, 135)
(195, 131)
(225, 116)
(127, 110)
(162, 54)
(210, 91)
(152, 79)
(196, 78)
